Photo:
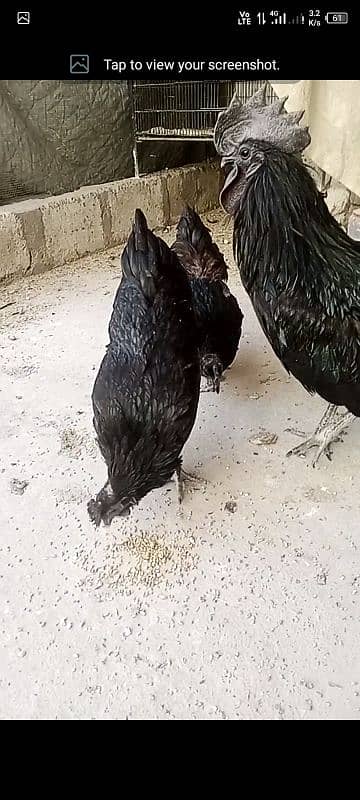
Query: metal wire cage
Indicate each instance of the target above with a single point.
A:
(182, 110)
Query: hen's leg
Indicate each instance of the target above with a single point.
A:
(182, 478)
(328, 430)
(212, 385)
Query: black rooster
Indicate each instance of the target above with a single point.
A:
(218, 316)
(300, 268)
(146, 393)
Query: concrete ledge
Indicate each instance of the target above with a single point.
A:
(37, 235)
(198, 185)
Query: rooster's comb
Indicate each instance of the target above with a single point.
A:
(260, 121)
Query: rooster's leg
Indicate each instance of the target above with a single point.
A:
(328, 430)
(182, 478)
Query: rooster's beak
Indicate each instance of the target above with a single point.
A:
(225, 160)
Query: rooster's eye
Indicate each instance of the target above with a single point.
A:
(244, 152)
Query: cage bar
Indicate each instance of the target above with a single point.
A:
(183, 110)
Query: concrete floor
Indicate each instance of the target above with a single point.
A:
(203, 613)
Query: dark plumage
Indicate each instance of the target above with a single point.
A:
(302, 273)
(146, 393)
(196, 250)
(217, 313)
(219, 321)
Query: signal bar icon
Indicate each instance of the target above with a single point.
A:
(299, 20)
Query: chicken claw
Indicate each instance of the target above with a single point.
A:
(327, 432)
(212, 385)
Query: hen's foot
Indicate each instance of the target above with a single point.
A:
(212, 385)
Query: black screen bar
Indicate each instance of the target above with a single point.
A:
(129, 43)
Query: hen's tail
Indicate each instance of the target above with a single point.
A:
(145, 256)
(197, 252)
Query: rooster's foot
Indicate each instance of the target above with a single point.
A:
(182, 478)
(328, 431)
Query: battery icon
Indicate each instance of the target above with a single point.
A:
(337, 17)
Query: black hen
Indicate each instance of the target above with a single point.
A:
(217, 313)
(196, 250)
(300, 268)
(146, 393)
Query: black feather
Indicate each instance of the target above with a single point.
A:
(197, 251)
(217, 313)
(219, 320)
(146, 393)
(302, 272)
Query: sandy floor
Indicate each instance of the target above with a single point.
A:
(204, 613)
